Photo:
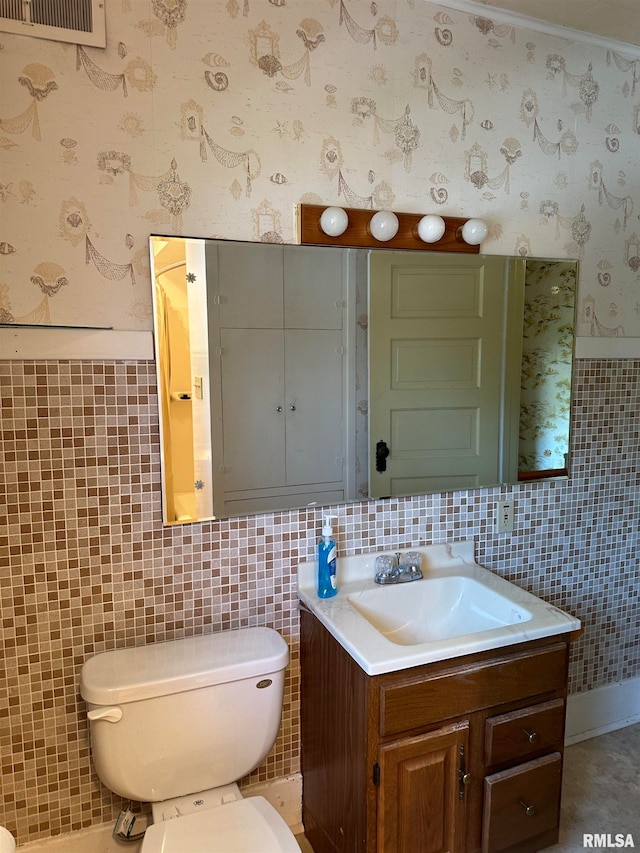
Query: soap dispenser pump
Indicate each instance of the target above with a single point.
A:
(327, 583)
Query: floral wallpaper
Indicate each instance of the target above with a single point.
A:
(547, 354)
(217, 118)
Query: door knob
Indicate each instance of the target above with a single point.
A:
(382, 451)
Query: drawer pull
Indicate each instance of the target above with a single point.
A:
(532, 737)
(528, 810)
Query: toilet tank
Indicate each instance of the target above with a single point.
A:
(175, 718)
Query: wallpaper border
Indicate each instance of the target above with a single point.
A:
(25, 344)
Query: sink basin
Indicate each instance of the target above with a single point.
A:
(436, 609)
(458, 608)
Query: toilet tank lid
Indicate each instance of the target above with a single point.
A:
(129, 675)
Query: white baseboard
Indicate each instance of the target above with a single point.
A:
(94, 839)
(604, 709)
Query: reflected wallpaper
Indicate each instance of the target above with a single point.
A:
(547, 353)
(216, 118)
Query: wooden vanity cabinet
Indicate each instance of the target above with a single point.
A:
(462, 756)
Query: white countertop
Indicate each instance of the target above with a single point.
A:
(376, 654)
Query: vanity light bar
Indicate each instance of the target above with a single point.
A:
(353, 226)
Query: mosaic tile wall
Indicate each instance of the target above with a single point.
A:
(85, 564)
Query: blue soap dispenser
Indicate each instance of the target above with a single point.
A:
(327, 585)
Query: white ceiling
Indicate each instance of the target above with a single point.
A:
(617, 20)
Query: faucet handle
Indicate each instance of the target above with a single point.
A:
(384, 565)
(397, 570)
(413, 559)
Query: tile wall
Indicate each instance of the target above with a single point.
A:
(86, 565)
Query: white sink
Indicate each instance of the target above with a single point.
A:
(435, 609)
(458, 608)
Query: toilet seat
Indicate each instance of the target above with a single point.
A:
(251, 825)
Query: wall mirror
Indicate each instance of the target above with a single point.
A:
(293, 376)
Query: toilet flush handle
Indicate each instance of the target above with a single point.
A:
(111, 715)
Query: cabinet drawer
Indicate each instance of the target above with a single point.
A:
(519, 734)
(521, 803)
(409, 703)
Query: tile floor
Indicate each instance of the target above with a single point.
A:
(600, 790)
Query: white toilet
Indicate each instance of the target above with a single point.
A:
(177, 723)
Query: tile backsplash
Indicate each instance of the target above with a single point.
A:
(86, 564)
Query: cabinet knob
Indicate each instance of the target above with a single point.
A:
(528, 810)
(532, 737)
(278, 408)
(292, 408)
(466, 779)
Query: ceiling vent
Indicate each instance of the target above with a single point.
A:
(77, 21)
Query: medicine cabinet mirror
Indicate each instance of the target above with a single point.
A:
(293, 376)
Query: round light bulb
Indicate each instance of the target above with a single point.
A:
(474, 231)
(384, 225)
(334, 221)
(431, 228)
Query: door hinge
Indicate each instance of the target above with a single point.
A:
(464, 778)
(376, 774)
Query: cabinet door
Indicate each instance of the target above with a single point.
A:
(422, 798)
(247, 278)
(314, 414)
(313, 287)
(253, 425)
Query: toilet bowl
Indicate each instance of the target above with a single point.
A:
(8, 842)
(248, 825)
(176, 724)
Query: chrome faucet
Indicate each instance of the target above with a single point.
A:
(397, 569)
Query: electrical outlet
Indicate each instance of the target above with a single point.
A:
(504, 517)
